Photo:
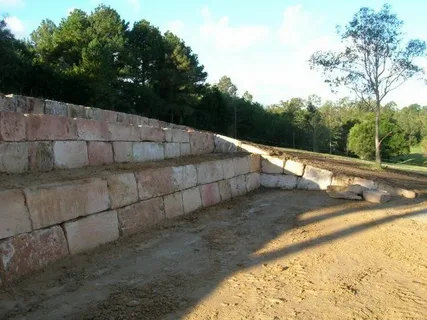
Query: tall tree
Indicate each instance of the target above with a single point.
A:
(226, 86)
(374, 62)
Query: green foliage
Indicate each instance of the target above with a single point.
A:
(423, 146)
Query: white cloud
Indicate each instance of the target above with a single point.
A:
(16, 26)
(224, 37)
(135, 4)
(176, 27)
(11, 3)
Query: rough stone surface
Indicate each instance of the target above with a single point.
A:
(122, 189)
(191, 199)
(210, 171)
(397, 192)
(315, 179)
(288, 181)
(254, 162)
(7, 104)
(148, 151)
(54, 203)
(241, 165)
(155, 182)
(370, 184)
(172, 150)
(140, 216)
(376, 196)
(269, 180)
(91, 231)
(70, 154)
(253, 181)
(228, 168)
(201, 143)
(294, 167)
(56, 108)
(173, 205)
(40, 156)
(342, 192)
(271, 164)
(48, 127)
(210, 194)
(120, 132)
(153, 123)
(152, 134)
(100, 153)
(29, 252)
(22, 104)
(76, 111)
(342, 180)
(13, 157)
(224, 190)
(226, 144)
(238, 186)
(108, 116)
(175, 135)
(252, 149)
(356, 188)
(185, 149)
(123, 118)
(14, 215)
(13, 126)
(123, 151)
(184, 177)
(90, 130)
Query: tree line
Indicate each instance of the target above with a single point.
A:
(99, 59)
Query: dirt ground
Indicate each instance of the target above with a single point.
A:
(272, 254)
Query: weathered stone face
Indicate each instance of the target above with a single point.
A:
(123, 151)
(13, 126)
(191, 199)
(252, 181)
(70, 154)
(271, 165)
(343, 192)
(208, 172)
(210, 194)
(14, 215)
(100, 153)
(173, 205)
(376, 196)
(148, 151)
(40, 156)
(122, 189)
(315, 179)
(294, 167)
(155, 182)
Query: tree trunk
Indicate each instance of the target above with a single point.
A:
(377, 136)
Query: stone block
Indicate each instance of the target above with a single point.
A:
(123, 189)
(93, 113)
(99, 153)
(241, 165)
(370, 184)
(109, 116)
(173, 205)
(148, 151)
(210, 194)
(342, 192)
(89, 232)
(29, 252)
(90, 130)
(13, 126)
(315, 179)
(55, 203)
(56, 108)
(288, 181)
(254, 162)
(238, 186)
(14, 215)
(120, 132)
(294, 167)
(228, 168)
(155, 182)
(397, 191)
(376, 196)
(151, 134)
(224, 190)
(271, 164)
(172, 150)
(253, 181)
(210, 171)
(153, 123)
(48, 127)
(185, 149)
(269, 180)
(6, 103)
(76, 111)
(123, 151)
(342, 180)
(191, 199)
(70, 154)
(201, 142)
(124, 118)
(40, 156)
(14, 157)
(143, 121)
(22, 104)
(226, 144)
(184, 177)
(140, 216)
(175, 135)
(253, 149)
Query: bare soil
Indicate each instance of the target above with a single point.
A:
(272, 254)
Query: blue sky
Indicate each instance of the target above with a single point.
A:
(262, 45)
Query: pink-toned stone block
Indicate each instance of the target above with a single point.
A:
(241, 165)
(155, 182)
(91, 231)
(48, 127)
(210, 194)
(123, 151)
(140, 216)
(40, 155)
(191, 199)
(210, 171)
(13, 157)
(173, 205)
(120, 132)
(254, 163)
(151, 134)
(99, 153)
(123, 189)
(70, 154)
(14, 216)
(29, 252)
(55, 203)
(201, 142)
(13, 126)
(92, 130)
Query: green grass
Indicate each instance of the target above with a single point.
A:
(415, 157)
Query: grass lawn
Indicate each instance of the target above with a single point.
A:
(415, 157)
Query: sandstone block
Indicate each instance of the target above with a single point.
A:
(210, 194)
(253, 181)
(342, 180)
(123, 190)
(13, 126)
(191, 199)
(148, 151)
(120, 132)
(269, 180)
(184, 177)
(99, 153)
(172, 150)
(294, 167)
(76, 111)
(155, 182)
(238, 186)
(7, 103)
(315, 179)
(93, 113)
(140, 216)
(228, 168)
(154, 123)
(173, 205)
(13, 157)
(56, 108)
(226, 144)
(123, 151)
(109, 116)
(376, 196)
(253, 149)
(48, 127)
(40, 156)
(151, 134)
(29, 252)
(70, 154)
(185, 149)
(397, 191)
(271, 164)
(124, 118)
(22, 104)
(201, 143)
(55, 203)
(342, 192)
(241, 165)
(91, 231)
(14, 215)
(287, 181)
(254, 162)
(224, 190)
(210, 171)
(175, 135)
(92, 130)
(370, 184)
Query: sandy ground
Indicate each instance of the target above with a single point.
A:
(269, 255)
